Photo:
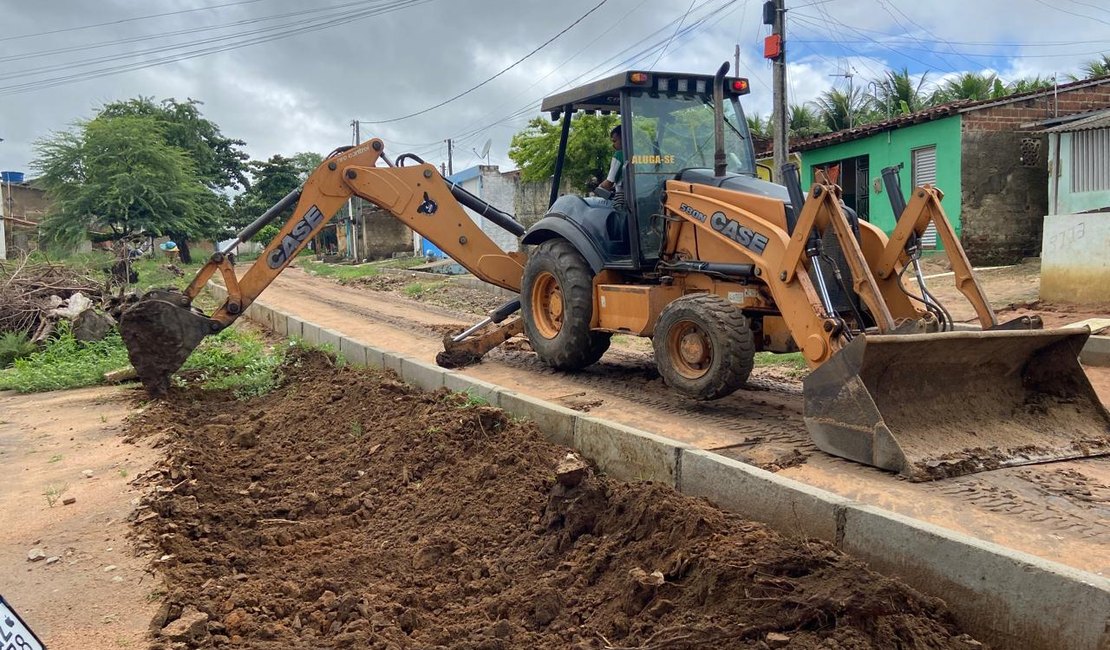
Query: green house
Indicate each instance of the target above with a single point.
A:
(990, 158)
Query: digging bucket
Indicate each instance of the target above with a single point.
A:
(931, 406)
(160, 331)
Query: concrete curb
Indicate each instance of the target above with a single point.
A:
(1004, 597)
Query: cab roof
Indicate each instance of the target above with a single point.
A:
(605, 94)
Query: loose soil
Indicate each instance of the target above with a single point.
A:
(347, 509)
(760, 424)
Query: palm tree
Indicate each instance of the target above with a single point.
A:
(971, 85)
(759, 126)
(899, 94)
(1029, 84)
(1099, 67)
(839, 110)
(805, 121)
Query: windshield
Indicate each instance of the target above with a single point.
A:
(670, 134)
(673, 133)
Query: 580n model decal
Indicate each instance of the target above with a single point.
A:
(289, 243)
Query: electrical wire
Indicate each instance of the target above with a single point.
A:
(503, 71)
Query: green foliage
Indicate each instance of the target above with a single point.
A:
(805, 121)
(794, 362)
(236, 360)
(14, 345)
(417, 289)
(899, 92)
(340, 272)
(839, 109)
(65, 362)
(273, 179)
(972, 86)
(759, 126)
(305, 163)
(1094, 68)
(220, 161)
(588, 149)
(1030, 84)
(119, 174)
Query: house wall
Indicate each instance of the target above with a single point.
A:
(22, 203)
(382, 234)
(895, 147)
(1061, 199)
(1074, 265)
(1004, 187)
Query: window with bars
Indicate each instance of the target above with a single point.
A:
(1090, 160)
(924, 170)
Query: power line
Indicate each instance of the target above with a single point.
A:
(677, 27)
(503, 71)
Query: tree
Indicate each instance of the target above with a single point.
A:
(805, 121)
(305, 163)
(219, 161)
(971, 85)
(1094, 68)
(588, 149)
(273, 179)
(119, 174)
(1029, 84)
(759, 126)
(899, 94)
(835, 107)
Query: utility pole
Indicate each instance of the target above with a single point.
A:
(851, 94)
(779, 119)
(737, 55)
(450, 165)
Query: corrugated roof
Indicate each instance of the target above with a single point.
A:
(1098, 120)
(933, 113)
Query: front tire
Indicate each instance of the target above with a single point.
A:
(703, 347)
(557, 304)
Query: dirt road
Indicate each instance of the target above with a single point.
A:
(1058, 511)
(87, 589)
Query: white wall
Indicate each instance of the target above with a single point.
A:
(1075, 265)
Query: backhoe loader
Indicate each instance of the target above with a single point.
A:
(714, 265)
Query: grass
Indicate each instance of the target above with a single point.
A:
(53, 493)
(14, 345)
(792, 361)
(339, 272)
(235, 359)
(418, 289)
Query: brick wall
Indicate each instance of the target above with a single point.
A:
(382, 235)
(1004, 172)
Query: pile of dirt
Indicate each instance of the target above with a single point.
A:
(349, 510)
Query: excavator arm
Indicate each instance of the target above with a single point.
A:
(163, 328)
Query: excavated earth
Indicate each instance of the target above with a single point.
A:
(349, 510)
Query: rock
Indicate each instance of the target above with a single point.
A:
(53, 559)
(190, 628)
(68, 501)
(36, 554)
(546, 607)
(109, 568)
(777, 640)
(571, 470)
(120, 375)
(91, 325)
(87, 473)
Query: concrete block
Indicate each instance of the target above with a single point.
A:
(626, 453)
(294, 327)
(556, 422)
(264, 315)
(422, 375)
(787, 506)
(1096, 352)
(375, 358)
(329, 338)
(310, 332)
(353, 351)
(392, 361)
(281, 325)
(461, 383)
(1004, 598)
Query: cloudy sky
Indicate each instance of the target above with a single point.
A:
(288, 76)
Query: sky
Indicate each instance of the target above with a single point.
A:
(287, 76)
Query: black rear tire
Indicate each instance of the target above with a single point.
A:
(557, 305)
(703, 347)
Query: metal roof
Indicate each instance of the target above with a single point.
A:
(1089, 122)
(605, 94)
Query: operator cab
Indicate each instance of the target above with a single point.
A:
(667, 132)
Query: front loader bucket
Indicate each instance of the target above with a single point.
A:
(931, 406)
(160, 331)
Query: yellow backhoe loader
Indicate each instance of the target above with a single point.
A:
(713, 264)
